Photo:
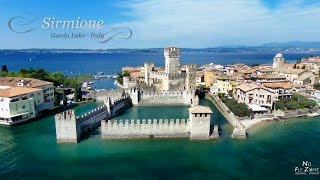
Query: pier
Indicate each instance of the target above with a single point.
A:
(239, 130)
(101, 76)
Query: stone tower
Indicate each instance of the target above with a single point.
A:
(148, 67)
(66, 127)
(134, 95)
(108, 105)
(125, 82)
(278, 61)
(172, 59)
(191, 71)
(200, 122)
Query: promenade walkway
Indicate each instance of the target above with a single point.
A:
(239, 130)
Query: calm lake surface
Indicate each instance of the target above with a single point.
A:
(271, 151)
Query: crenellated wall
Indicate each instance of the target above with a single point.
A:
(157, 128)
(197, 127)
(163, 98)
(104, 94)
(70, 128)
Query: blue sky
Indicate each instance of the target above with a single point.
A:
(160, 23)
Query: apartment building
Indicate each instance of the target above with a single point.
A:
(252, 93)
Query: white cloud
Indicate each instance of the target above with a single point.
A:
(208, 23)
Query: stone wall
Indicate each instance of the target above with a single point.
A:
(101, 95)
(70, 128)
(163, 98)
(157, 128)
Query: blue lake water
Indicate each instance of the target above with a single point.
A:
(271, 151)
(111, 63)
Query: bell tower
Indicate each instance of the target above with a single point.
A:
(278, 61)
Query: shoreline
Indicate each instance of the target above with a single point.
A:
(255, 126)
(250, 124)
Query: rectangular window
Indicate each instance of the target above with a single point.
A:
(23, 107)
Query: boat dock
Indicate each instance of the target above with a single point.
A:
(101, 76)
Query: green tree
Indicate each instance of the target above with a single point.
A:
(280, 105)
(292, 105)
(303, 67)
(295, 66)
(239, 109)
(4, 69)
(121, 75)
(316, 86)
(77, 94)
(220, 95)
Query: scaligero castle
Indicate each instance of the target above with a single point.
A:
(173, 86)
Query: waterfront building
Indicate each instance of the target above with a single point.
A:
(282, 89)
(24, 98)
(47, 87)
(19, 104)
(252, 93)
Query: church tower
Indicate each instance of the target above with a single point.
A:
(278, 61)
(172, 59)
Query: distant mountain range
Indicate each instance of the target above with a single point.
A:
(292, 44)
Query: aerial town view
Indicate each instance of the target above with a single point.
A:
(154, 89)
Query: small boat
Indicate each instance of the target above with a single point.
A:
(90, 82)
(100, 73)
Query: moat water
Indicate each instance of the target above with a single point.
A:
(271, 151)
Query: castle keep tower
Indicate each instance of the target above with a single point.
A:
(172, 59)
(191, 71)
(200, 122)
(278, 61)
